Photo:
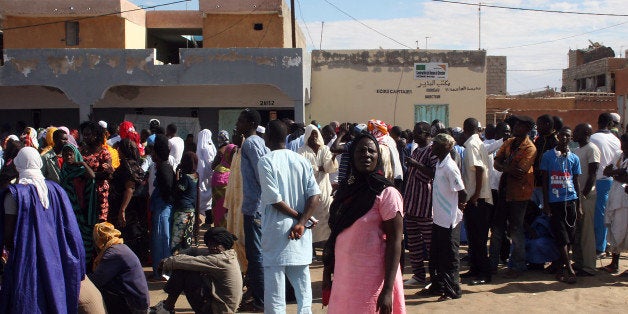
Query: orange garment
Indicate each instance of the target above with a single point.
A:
(523, 158)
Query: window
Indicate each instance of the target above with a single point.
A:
(258, 26)
(430, 113)
(71, 33)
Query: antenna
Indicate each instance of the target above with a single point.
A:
(320, 44)
(479, 25)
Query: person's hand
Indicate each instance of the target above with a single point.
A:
(384, 302)
(296, 231)
(411, 162)
(314, 223)
(462, 206)
(580, 212)
(122, 219)
(160, 267)
(608, 171)
(474, 200)
(546, 209)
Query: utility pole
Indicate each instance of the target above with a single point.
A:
(320, 43)
(426, 37)
(294, 36)
(417, 45)
(479, 25)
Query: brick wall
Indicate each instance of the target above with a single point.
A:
(496, 83)
(573, 110)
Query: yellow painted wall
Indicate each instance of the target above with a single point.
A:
(135, 35)
(351, 94)
(99, 32)
(236, 30)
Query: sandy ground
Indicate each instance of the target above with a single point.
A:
(534, 292)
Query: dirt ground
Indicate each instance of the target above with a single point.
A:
(534, 292)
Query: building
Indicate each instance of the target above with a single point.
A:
(71, 60)
(621, 92)
(496, 76)
(573, 108)
(400, 87)
(592, 69)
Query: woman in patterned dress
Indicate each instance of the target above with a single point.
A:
(99, 160)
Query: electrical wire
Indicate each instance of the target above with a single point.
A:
(94, 16)
(559, 39)
(530, 9)
(304, 23)
(365, 25)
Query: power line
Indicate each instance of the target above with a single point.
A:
(94, 16)
(304, 23)
(534, 70)
(559, 39)
(530, 9)
(365, 25)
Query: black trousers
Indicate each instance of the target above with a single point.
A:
(477, 221)
(191, 283)
(444, 259)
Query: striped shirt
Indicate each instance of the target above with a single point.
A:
(417, 200)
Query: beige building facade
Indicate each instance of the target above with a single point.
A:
(359, 85)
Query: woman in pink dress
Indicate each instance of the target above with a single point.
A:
(362, 254)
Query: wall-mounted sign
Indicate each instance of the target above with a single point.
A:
(266, 103)
(393, 91)
(430, 71)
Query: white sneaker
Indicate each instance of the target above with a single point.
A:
(413, 282)
(159, 309)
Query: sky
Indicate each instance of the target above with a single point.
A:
(535, 43)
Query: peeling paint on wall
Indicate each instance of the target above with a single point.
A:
(288, 62)
(25, 66)
(62, 65)
(132, 63)
(113, 62)
(234, 56)
(93, 60)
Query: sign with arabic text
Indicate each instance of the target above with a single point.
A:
(430, 71)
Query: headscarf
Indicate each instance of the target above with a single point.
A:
(223, 138)
(85, 211)
(127, 130)
(11, 137)
(28, 164)
(354, 198)
(378, 129)
(31, 138)
(71, 138)
(221, 236)
(206, 152)
(189, 163)
(50, 143)
(308, 132)
(105, 236)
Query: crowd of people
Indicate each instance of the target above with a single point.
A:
(83, 210)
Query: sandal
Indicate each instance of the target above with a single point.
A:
(444, 298)
(624, 274)
(566, 277)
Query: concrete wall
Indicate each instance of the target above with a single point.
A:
(591, 70)
(496, 77)
(100, 32)
(134, 36)
(174, 19)
(359, 85)
(86, 76)
(573, 110)
(233, 30)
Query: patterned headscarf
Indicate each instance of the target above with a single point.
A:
(378, 129)
(105, 236)
(30, 138)
(223, 138)
(28, 164)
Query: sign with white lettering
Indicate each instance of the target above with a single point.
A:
(430, 71)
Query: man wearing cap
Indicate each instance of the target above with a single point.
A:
(210, 279)
(515, 159)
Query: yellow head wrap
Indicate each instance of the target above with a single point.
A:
(105, 235)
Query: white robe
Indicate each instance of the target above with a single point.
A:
(616, 214)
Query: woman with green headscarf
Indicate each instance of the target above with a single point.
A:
(77, 179)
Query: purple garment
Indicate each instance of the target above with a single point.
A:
(47, 263)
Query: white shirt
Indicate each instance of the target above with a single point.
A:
(492, 146)
(609, 146)
(476, 155)
(176, 146)
(447, 183)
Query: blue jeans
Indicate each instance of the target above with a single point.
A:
(602, 187)
(160, 232)
(275, 288)
(253, 248)
(513, 212)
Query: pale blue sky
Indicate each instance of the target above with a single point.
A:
(535, 42)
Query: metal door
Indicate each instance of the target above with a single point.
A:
(429, 113)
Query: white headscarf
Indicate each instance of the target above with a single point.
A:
(308, 131)
(28, 164)
(206, 152)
